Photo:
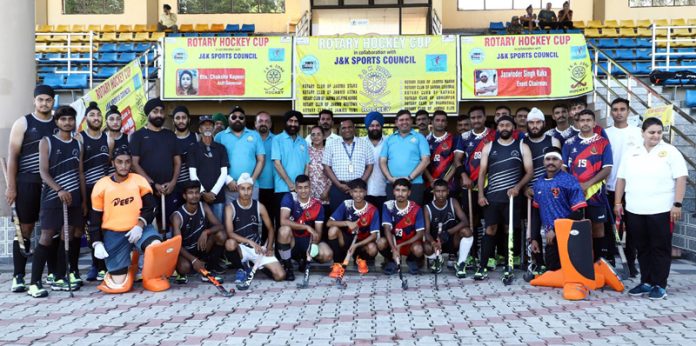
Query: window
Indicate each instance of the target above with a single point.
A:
(231, 6)
(660, 3)
(93, 6)
(512, 4)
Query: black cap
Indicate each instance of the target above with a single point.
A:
(237, 109)
(205, 118)
(293, 113)
(181, 109)
(122, 150)
(43, 89)
(152, 104)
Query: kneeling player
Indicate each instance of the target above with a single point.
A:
(244, 220)
(403, 226)
(123, 209)
(353, 218)
(301, 219)
(446, 228)
(201, 233)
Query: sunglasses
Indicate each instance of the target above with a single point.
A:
(234, 117)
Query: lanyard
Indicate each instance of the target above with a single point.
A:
(352, 148)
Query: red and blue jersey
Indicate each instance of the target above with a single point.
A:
(441, 156)
(308, 213)
(367, 218)
(560, 196)
(405, 222)
(585, 157)
(471, 144)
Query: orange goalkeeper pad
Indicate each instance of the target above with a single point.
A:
(575, 251)
(108, 286)
(604, 269)
(159, 264)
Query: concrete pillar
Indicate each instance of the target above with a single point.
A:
(17, 71)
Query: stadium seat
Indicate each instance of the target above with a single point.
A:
(661, 22)
(55, 81)
(626, 43)
(607, 43)
(141, 36)
(579, 24)
(108, 28)
(644, 32)
(124, 28)
(125, 47)
(627, 32)
(189, 34)
(232, 28)
(625, 54)
(249, 28)
(186, 28)
(125, 58)
(107, 58)
(152, 27)
(156, 36)
(690, 99)
(591, 32)
(38, 56)
(53, 56)
(105, 72)
(125, 37)
(201, 28)
(176, 34)
(61, 28)
(643, 54)
(94, 27)
(44, 28)
(108, 48)
(204, 34)
(610, 23)
(643, 67)
(677, 22)
(631, 67)
(627, 23)
(643, 23)
(76, 81)
(77, 28)
(150, 57)
(107, 37)
(643, 43)
(217, 27)
(573, 31)
(140, 28)
(594, 24)
(610, 32)
(141, 47)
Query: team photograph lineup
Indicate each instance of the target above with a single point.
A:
(557, 197)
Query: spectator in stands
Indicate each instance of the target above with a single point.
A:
(547, 18)
(185, 86)
(220, 123)
(515, 27)
(529, 18)
(565, 17)
(167, 20)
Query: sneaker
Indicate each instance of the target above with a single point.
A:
(240, 277)
(18, 285)
(436, 266)
(413, 267)
(516, 261)
(62, 285)
(470, 262)
(460, 269)
(336, 270)
(481, 274)
(492, 263)
(75, 280)
(451, 260)
(37, 291)
(390, 268)
(92, 274)
(362, 266)
(100, 275)
(50, 278)
(657, 292)
(501, 260)
(302, 265)
(640, 290)
(289, 275)
(217, 277)
(632, 270)
(181, 279)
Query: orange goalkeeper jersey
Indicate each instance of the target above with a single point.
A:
(120, 202)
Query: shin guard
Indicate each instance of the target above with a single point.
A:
(160, 262)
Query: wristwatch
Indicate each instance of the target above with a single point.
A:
(677, 204)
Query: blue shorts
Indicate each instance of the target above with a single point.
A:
(119, 249)
(299, 251)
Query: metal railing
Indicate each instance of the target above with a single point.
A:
(670, 41)
(70, 47)
(303, 27)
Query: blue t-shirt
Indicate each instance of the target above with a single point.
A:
(559, 196)
(241, 151)
(585, 157)
(367, 217)
(293, 156)
(404, 153)
(265, 180)
(309, 214)
(405, 223)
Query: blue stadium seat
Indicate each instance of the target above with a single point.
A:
(190, 34)
(38, 56)
(125, 58)
(593, 41)
(54, 80)
(125, 47)
(107, 48)
(690, 99)
(153, 73)
(206, 34)
(643, 43)
(643, 54)
(643, 67)
(606, 43)
(232, 28)
(250, 28)
(105, 72)
(625, 54)
(53, 56)
(143, 46)
(76, 81)
(556, 31)
(150, 57)
(627, 43)
(631, 67)
(494, 26)
(573, 31)
(107, 58)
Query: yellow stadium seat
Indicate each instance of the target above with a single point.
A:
(691, 21)
(678, 22)
(682, 32)
(217, 27)
(125, 37)
(152, 27)
(108, 28)
(156, 36)
(141, 36)
(58, 38)
(79, 38)
(140, 28)
(107, 37)
(186, 28)
(201, 28)
(643, 23)
(41, 38)
(44, 28)
(627, 23)
(124, 28)
(62, 28)
(592, 32)
(610, 23)
(610, 32)
(77, 28)
(594, 24)
(644, 32)
(94, 27)
(627, 32)
(661, 22)
(579, 24)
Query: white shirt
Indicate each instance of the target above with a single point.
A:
(332, 137)
(650, 178)
(376, 183)
(621, 140)
(345, 167)
(480, 85)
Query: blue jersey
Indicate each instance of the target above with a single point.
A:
(562, 136)
(367, 217)
(559, 196)
(585, 157)
(304, 213)
(405, 222)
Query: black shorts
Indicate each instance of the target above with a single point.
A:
(596, 214)
(498, 214)
(475, 207)
(52, 219)
(28, 202)
(299, 251)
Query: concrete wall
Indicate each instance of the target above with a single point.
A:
(134, 12)
(619, 9)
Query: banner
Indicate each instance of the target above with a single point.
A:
(200, 68)
(665, 113)
(524, 67)
(357, 75)
(125, 90)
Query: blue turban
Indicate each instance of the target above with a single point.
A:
(374, 116)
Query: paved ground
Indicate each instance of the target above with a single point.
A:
(372, 310)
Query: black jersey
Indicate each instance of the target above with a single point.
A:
(445, 216)
(120, 142)
(247, 221)
(192, 225)
(95, 157)
(505, 169)
(184, 145)
(64, 168)
(537, 151)
(28, 170)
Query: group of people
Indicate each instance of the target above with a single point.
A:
(252, 199)
(545, 19)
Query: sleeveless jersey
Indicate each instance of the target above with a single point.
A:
(119, 142)
(445, 216)
(95, 157)
(64, 168)
(585, 157)
(505, 169)
(184, 145)
(247, 221)
(192, 225)
(441, 156)
(471, 144)
(562, 136)
(537, 151)
(28, 168)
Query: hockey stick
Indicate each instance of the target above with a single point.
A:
(245, 285)
(438, 254)
(508, 276)
(404, 283)
(339, 280)
(66, 241)
(18, 230)
(164, 217)
(305, 277)
(217, 284)
(619, 244)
